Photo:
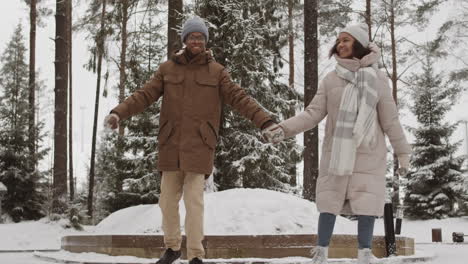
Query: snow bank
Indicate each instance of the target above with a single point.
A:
(34, 235)
(231, 212)
(259, 212)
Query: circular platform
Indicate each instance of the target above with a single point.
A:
(228, 247)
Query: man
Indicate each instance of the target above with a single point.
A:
(193, 87)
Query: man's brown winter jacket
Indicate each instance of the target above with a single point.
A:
(193, 93)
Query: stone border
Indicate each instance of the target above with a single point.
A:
(228, 247)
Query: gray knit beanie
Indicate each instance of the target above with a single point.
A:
(360, 32)
(194, 24)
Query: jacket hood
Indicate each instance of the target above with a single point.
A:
(203, 57)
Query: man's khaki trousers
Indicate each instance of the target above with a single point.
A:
(191, 185)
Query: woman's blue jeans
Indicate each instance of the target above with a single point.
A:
(365, 229)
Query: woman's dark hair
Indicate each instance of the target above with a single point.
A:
(358, 50)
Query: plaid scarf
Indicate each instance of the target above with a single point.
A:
(355, 124)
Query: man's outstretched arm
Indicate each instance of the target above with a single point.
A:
(236, 97)
(142, 98)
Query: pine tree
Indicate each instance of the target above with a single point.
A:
(453, 34)
(127, 161)
(311, 40)
(246, 37)
(368, 17)
(95, 23)
(71, 178)
(122, 16)
(435, 183)
(17, 163)
(291, 79)
(126, 167)
(36, 13)
(32, 78)
(390, 18)
(333, 15)
(100, 42)
(174, 21)
(60, 111)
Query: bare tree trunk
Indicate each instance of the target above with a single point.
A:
(61, 96)
(100, 51)
(70, 101)
(175, 8)
(293, 181)
(32, 84)
(123, 57)
(396, 178)
(369, 18)
(291, 43)
(311, 159)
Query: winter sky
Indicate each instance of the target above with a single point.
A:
(14, 12)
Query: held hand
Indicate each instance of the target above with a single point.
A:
(273, 134)
(111, 121)
(402, 171)
(404, 163)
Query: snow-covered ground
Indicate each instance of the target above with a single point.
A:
(35, 235)
(238, 211)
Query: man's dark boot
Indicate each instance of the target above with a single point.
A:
(196, 261)
(169, 257)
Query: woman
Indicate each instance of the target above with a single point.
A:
(360, 111)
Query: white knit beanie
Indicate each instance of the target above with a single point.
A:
(194, 24)
(360, 32)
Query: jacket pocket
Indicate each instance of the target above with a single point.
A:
(208, 134)
(206, 81)
(165, 132)
(173, 87)
(174, 78)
